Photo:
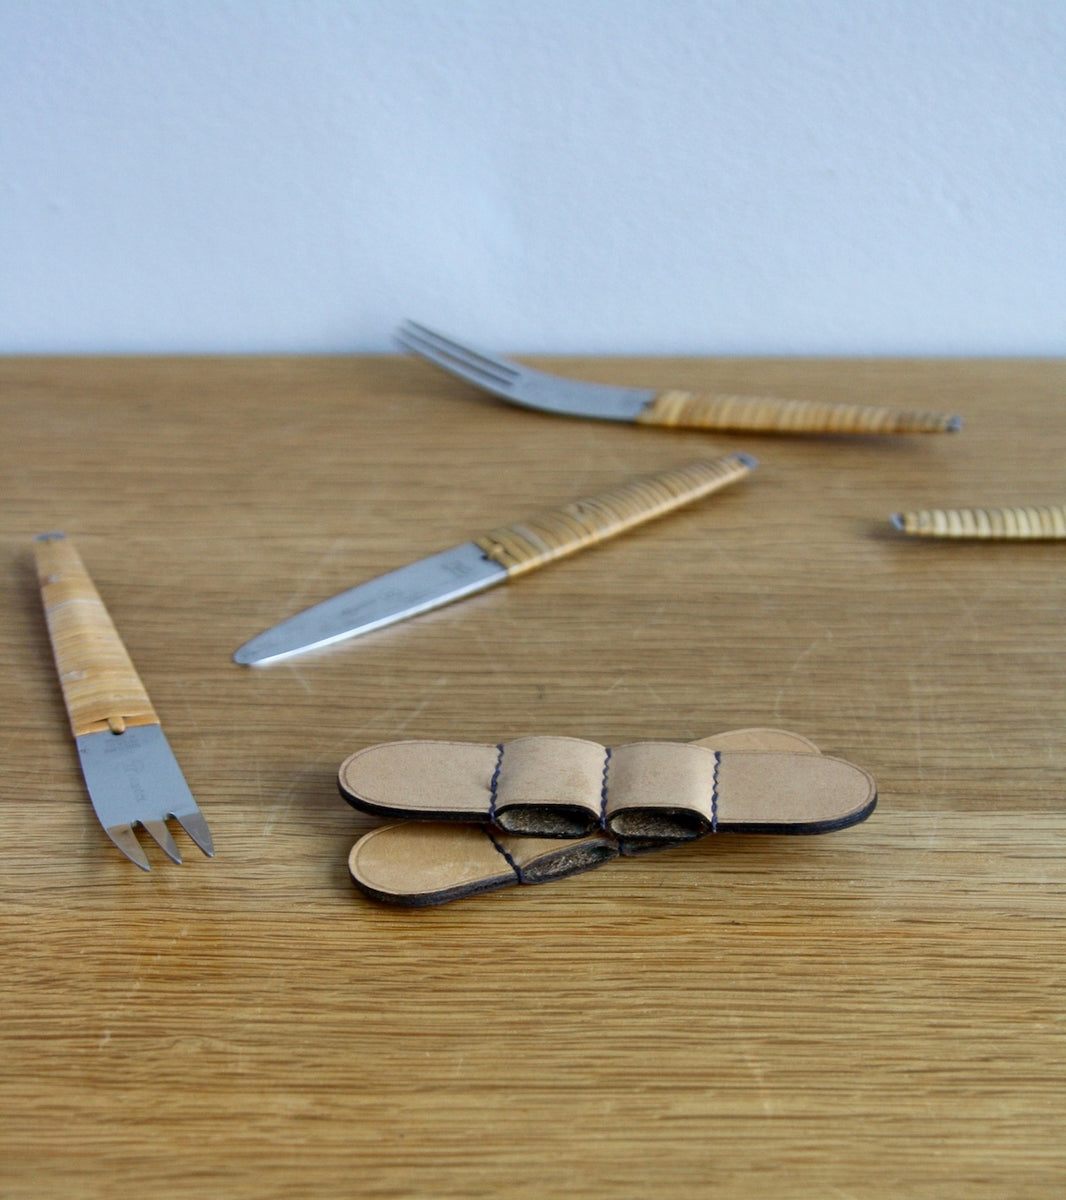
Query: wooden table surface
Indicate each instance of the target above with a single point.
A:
(875, 1012)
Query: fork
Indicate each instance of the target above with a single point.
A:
(530, 388)
(130, 771)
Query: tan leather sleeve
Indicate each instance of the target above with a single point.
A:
(661, 790)
(425, 862)
(550, 786)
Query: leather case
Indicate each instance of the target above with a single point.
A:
(430, 861)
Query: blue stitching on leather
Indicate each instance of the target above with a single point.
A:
(493, 782)
(714, 792)
(603, 789)
(510, 861)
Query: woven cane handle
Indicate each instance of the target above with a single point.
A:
(761, 414)
(1024, 523)
(557, 532)
(101, 688)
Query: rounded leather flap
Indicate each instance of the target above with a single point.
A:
(791, 793)
(419, 863)
(442, 780)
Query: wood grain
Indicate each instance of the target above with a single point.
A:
(876, 1012)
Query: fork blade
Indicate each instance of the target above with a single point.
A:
(163, 839)
(196, 827)
(473, 365)
(126, 840)
(524, 385)
(133, 778)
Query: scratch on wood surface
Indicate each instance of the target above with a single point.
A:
(819, 642)
(383, 717)
(301, 679)
(754, 1066)
(297, 600)
(285, 800)
(491, 654)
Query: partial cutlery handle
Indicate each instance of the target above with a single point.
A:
(557, 532)
(101, 687)
(1022, 524)
(761, 414)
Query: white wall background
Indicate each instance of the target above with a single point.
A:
(630, 176)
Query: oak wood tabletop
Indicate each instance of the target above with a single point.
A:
(873, 1012)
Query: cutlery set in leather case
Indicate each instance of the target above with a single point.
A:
(470, 818)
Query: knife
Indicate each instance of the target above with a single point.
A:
(130, 771)
(492, 558)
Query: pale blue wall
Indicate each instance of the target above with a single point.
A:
(645, 176)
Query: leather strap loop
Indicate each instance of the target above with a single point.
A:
(662, 791)
(549, 787)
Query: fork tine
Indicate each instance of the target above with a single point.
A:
(196, 827)
(159, 831)
(474, 365)
(465, 353)
(477, 378)
(126, 840)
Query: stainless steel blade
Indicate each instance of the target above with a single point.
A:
(419, 587)
(133, 778)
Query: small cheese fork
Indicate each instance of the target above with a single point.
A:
(129, 769)
(644, 406)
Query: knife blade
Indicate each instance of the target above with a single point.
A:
(130, 771)
(492, 558)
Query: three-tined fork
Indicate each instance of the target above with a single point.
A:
(531, 388)
(130, 771)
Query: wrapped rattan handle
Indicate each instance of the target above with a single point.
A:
(1022, 523)
(101, 688)
(557, 532)
(762, 414)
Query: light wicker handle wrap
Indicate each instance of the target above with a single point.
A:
(762, 414)
(1022, 523)
(557, 532)
(101, 688)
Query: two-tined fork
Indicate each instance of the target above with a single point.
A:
(644, 406)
